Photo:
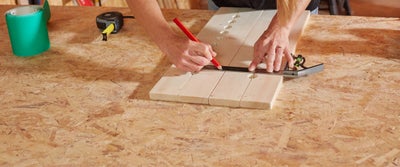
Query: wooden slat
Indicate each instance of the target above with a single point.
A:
(199, 87)
(245, 54)
(262, 91)
(227, 36)
(168, 87)
(230, 89)
(223, 35)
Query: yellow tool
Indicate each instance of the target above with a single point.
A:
(108, 31)
(109, 22)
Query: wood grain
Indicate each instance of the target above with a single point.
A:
(382, 8)
(230, 88)
(173, 78)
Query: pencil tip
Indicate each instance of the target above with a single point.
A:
(219, 67)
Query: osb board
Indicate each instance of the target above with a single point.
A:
(85, 102)
(232, 32)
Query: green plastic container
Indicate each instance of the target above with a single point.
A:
(27, 28)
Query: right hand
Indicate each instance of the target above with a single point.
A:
(187, 55)
(271, 47)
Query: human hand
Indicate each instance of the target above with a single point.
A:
(271, 47)
(187, 55)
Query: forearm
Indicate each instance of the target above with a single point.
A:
(289, 11)
(149, 15)
(185, 54)
(273, 44)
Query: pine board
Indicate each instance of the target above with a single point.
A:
(232, 32)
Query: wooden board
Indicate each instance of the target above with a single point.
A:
(232, 32)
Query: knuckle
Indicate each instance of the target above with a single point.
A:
(204, 48)
(205, 62)
(270, 63)
(197, 68)
(179, 66)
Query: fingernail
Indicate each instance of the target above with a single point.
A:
(269, 69)
(252, 68)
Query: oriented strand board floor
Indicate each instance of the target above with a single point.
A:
(85, 102)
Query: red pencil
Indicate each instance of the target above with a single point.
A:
(193, 38)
